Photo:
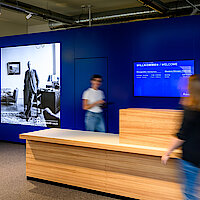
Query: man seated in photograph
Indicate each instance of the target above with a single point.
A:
(93, 101)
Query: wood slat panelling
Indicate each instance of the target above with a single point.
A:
(127, 165)
(95, 140)
(71, 165)
(142, 176)
(92, 158)
(142, 188)
(122, 173)
(148, 127)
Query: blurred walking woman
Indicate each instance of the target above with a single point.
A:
(189, 138)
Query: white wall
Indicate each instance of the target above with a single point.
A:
(7, 29)
(39, 28)
(41, 57)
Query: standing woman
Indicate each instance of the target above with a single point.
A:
(189, 138)
(93, 101)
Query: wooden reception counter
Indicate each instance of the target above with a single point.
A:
(100, 162)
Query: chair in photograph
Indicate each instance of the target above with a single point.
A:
(9, 97)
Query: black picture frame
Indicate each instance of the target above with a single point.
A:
(13, 68)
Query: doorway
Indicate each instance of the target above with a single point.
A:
(84, 69)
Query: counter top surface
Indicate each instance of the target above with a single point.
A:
(107, 141)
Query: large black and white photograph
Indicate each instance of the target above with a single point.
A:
(30, 85)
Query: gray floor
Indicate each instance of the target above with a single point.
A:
(17, 107)
(15, 186)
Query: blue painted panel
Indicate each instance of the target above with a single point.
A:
(84, 69)
(67, 81)
(93, 42)
(11, 132)
(122, 44)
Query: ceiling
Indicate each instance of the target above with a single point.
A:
(19, 18)
(73, 10)
(73, 7)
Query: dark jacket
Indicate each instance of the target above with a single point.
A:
(31, 82)
(190, 133)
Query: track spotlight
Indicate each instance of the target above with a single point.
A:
(29, 16)
(194, 12)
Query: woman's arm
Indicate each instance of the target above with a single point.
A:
(183, 134)
(176, 143)
(87, 106)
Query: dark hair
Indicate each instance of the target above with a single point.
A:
(96, 76)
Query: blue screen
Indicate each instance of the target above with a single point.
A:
(162, 78)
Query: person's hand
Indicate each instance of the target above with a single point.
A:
(164, 159)
(100, 102)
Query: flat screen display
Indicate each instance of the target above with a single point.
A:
(162, 78)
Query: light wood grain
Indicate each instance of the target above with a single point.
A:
(149, 127)
(127, 165)
(122, 173)
(142, 177)
(106, 141)
(71, 165)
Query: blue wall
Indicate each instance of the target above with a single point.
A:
(122, 44)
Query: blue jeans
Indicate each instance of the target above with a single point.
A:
(190, 175)
(94, 121)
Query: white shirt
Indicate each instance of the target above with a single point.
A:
(92, 96)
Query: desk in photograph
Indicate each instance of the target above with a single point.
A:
(100, 162)
(50, 99)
